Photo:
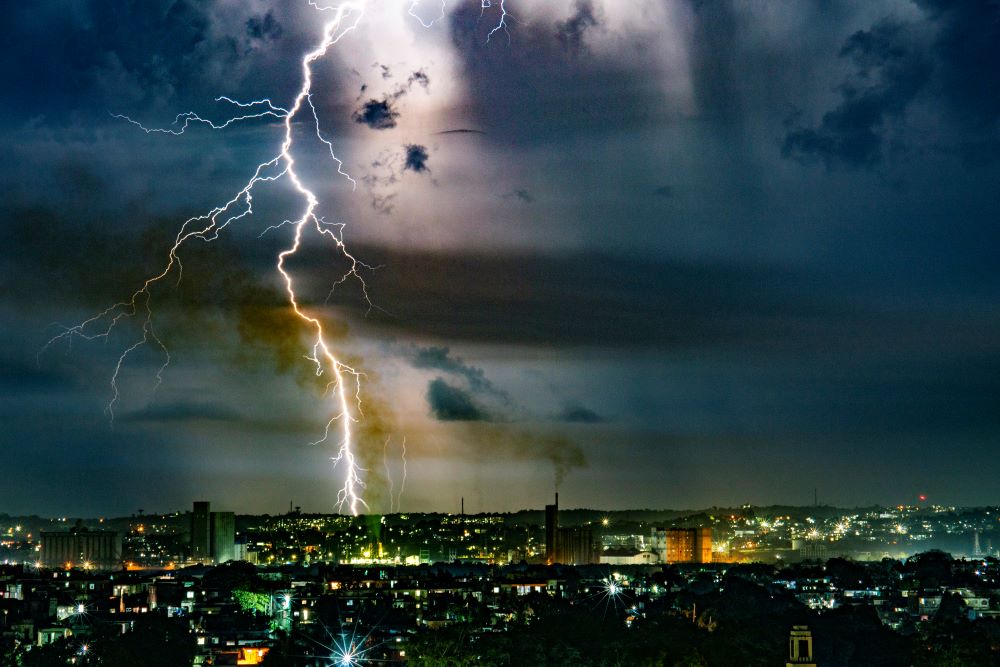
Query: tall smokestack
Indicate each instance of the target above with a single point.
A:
(551, 530)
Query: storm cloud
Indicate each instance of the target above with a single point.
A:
(532, 93)
(377, 114)
(695, 237)
(892, 69)
(938, 62)
(440, 358)
(416, 158)
(450, 403)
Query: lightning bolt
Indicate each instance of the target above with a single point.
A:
(347, 402)
(345, 386)
(501, 23)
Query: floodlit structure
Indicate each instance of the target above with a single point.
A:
(683, 545)
(89, 549)
(213, 535)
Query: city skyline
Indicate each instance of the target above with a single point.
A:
(655, 254)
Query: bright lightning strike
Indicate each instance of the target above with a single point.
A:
(208, 226)
(347, 401)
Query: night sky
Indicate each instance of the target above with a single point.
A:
(656, 253)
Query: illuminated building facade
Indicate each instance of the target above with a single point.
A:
(213, 535)
(683, 545)
(223, 536)
(98, 549)
(575, 546)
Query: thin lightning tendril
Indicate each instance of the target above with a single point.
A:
(413, 13)
(501, 23)
(395, 500)
(207, 227)
(388, 473)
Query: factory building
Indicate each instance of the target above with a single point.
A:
(213, 535)
(80, 547)
(683, 545)
(569, 545)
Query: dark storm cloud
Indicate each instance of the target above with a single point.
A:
(891, 69)
(416, 158)
(520, 194)
(217, 298)
(967, 46)
(266, 27)
(420, 78)
(577, 413)
(947, 62)
(571, 31)
(381, 114)
(142, 56)
(720, 57)
(491, 418)
(182, 412)
(714, 294)
(27, 247)
(28, 375)
(440, 358)
(107, 47)
(450, 403)
(594, 299)
(377, 114)
(549, 86)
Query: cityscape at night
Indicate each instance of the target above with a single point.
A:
(877, 585)
(653, 333)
